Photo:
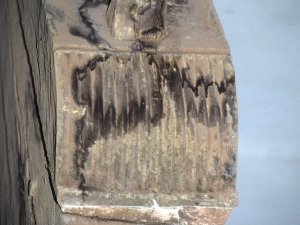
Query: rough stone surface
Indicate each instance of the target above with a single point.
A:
(115, 131)
(181, 216)
(193, 26)
(138, 19)
(145, 123)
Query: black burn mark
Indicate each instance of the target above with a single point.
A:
(85, 134)
(78, 76)
(148, 45)
(178, 2)
(140, 45)
(98, 122)
(153, 30)
(170, 72)
(92, 35)
(157, 107)
(214, 115)
(80, 155)
(157, 98)
(201, 81)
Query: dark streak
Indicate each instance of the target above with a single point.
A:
(151, 22)
(140, 45)
(179, 2)
(80, 74)
(153, 30)
(132, 11)
(98, 123)
(92, 36)
(36, 108)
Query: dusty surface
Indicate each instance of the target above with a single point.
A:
(134, 20)
(180, 216)
(146, 123)
(193, 26)
(86, 125)
(143, 121)
(134, 128)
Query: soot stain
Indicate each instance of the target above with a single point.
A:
(179, 2)
(91, 35)
(171, 75)
(140, 45)
(98, 123)
(153, 30)
(157, 18)
(85, 134)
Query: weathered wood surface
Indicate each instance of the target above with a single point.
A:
(27, 104)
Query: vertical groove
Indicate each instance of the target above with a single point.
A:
(167, 130)
(214, 117)
(121, 118)
(128, 147)
(134, 131)
(161, 123)
(132, 161)
(92, 157)
(126, 121)
(100, 102)
(148, 131)
(180, 133)
(139, 143)
(110, 119)
(105, 148)
(138, 124)
(185, 147)
(156, 125)
(113, 127)
(195, 126)
(208, 79)
(219, 74)
(154, 170)
(143, 125)
(211, 138)
(202, 113)
(188, 98)
(230, 135)
(171, 129)
(164, 134)
(94, 153)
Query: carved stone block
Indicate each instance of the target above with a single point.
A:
(146, 126)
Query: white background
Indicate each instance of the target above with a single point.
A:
(264, 37)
